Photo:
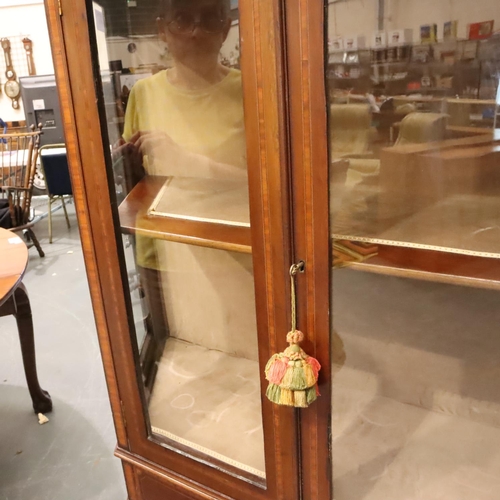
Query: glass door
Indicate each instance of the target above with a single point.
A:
(187, 143)
(414, 211)
(396, 155)
(180, 166)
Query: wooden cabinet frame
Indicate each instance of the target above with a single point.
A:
(308, 131)
(295, 468)
(287, 146)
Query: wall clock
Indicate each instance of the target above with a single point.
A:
(11, 86)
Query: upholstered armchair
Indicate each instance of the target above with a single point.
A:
(351, 136)
(358, 212)
(418, 128)
(350, 130)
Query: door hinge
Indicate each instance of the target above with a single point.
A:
(60, 7)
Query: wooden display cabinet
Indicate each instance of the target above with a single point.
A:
(380, 306)
(156, 468)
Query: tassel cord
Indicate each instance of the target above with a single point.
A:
(294, 269)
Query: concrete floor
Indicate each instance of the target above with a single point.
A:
(70, 457)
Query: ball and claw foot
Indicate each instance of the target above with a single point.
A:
(42, 403)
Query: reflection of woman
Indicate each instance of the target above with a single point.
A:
(186, 121)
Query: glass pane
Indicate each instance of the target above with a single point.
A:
(414, 144)
(174, 110)
(413, 111)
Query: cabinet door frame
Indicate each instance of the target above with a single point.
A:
(309, 158)
(306, 37)
(263, 63)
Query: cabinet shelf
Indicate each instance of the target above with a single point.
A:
(347, 77)
(434, 89)
(390, 63)
(431, 265)
(137, 216)
(346, 63)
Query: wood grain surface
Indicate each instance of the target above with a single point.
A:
(134, 219)
(75, 52)
(308, 128)
(68, 111)
(432, 265)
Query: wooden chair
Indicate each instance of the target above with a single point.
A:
(18, 159)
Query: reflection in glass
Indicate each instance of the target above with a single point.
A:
(414, 166)
(179, 161)
(413, 110)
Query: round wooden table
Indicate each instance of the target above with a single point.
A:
(14, 300)
(13, 262)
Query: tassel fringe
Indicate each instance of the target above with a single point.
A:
(286, 397)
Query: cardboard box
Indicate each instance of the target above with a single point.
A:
(400, 37)
(444, 82)
(379, 40)
(421, 53)
(426, 81)
(479, 31)
(428, 33)
(450, 30)
(354, 42)
(445, 51)
(336, 57)
(467, 50)
(336, 43)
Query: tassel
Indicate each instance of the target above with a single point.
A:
(276, 369)
(294, 378)
(314, 364)
(286, 397)
(273, 393)
(287, 379)
(311, 377)
(292, 374)
(300, 399)
(311, 394)
(270, 363)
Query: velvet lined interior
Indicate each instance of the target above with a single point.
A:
(416, 406)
